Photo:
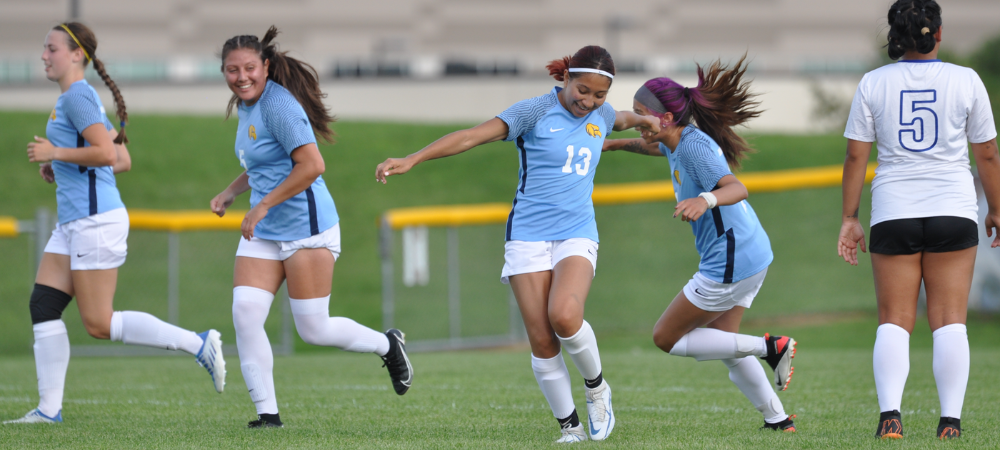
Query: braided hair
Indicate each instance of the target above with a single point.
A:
(88, 42)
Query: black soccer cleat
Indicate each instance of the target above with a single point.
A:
(266, 421)
(949, 428)
(786, 426)
(890, 425)
(780, 351)
(397, 362)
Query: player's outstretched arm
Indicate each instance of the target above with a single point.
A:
(451, 144)
(637, 146)
(988, 164)
(852, 235)
(625, 120)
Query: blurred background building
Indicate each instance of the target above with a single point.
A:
(467, 59)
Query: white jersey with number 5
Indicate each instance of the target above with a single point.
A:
(922, 114)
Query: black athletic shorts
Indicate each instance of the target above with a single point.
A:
(926, 234)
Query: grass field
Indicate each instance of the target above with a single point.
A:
(468, 399)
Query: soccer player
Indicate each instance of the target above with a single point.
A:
(697, 137)
(551, 250)
(81, 154)
(292, 231)
(922, 112)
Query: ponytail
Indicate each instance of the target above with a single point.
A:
(912, 26)
(721, 101)
(83, 38)
(300, 78)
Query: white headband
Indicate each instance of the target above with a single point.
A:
(597, 71)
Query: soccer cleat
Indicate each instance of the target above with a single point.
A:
(780, 351)
(210, 357)
(949, 428)
(572, 434)
(36, 416)
(266, 421)
(397, 362)
(786, 425)
(890, 425)
(599, 413)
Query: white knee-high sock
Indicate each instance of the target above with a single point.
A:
(582, 349)
(951, 367)
(749, 376)
(51, 360)
(891, 364)
(139, 328)
(553, 378)
(315, 326)
(708, 343)
(250, 308)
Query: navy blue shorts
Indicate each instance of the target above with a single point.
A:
(926, 234)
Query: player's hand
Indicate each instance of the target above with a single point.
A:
(45, 170)
(651, 124)
(691, 209)
(992, 224)
(392, 166)
(255, 215)
(221, 202)
(41, 150)
(852, 236)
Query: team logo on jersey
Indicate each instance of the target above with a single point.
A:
(677, 176)
(253, 133)
(53, 116)
(593, 130)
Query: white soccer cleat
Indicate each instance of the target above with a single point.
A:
(572, 434)
(36, 416)
(210, 357)
(599, 413)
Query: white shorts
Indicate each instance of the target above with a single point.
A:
(282, 250)
(538, 256)
(96, 242)
(710, 295)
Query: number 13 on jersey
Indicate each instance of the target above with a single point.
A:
(580, 170)
(918, 123)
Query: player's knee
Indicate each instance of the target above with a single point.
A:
(664, 341)
(47, 303)
(99, 329)
(565, 324)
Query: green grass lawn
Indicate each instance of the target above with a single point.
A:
(489, 399)
(465, 399)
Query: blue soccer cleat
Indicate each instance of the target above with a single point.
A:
(210, 357)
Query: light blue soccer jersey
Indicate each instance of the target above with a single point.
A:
(558, 153)
(268, 132)
(730, 240)
(80, 191)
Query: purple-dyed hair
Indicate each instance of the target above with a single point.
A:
(720, 101)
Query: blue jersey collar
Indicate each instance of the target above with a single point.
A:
(919, 61)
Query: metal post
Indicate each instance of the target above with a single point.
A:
(74, 9)
(287, 340)
(454, 307)
(42, 232)
(173, 277)
(385, 252)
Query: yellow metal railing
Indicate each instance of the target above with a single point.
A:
(8, 227)
(616, 194)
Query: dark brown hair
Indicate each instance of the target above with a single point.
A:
(89, 43)
(912, 26)
(721, 101)
(589, 57)
(298, 77)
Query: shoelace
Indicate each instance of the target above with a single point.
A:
(600, 410)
